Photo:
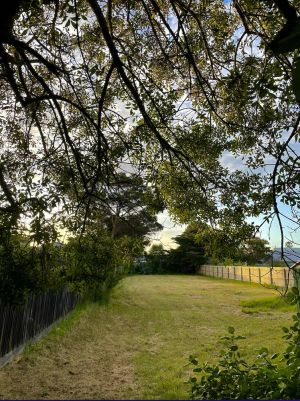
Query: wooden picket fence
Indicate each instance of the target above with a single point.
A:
(276, 276)
(20, 324)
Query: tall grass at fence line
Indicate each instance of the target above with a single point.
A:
(267, 304)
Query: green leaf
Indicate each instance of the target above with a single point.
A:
(285, 329)
(193, 360)
(231, 330)
(296, 81)
(263, 350)
(140, 122)
(240, 337)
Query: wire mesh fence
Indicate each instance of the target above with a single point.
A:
(19, 324)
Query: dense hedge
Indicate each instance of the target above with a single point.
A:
(83, 264)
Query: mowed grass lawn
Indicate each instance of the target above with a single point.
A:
(136, 345)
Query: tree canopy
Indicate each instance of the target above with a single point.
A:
(199, 98)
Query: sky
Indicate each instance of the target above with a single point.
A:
(169, 231)
(270, 232)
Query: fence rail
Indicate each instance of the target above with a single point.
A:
(277, 276)
(20, 324)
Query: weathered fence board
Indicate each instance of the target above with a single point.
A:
(19, 324)
(278, 276)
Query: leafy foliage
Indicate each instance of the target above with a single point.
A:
(200, 243)
(230, 245)
(189, 255)
(20, 272)
(172, 90)
(255, 250)
(156, 261)
(131, 209)
(184, 259)
(88, 261)
(88, 264)
(93, 263)
(274, 376)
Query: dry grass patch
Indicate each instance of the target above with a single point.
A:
(84, 363)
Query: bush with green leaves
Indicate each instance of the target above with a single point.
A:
(19, 273)
(97, 262)
(274, 376)
(228, 262)
(89, 264)
(25, 269)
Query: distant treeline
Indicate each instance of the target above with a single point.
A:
(200, 244)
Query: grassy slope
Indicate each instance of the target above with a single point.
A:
(137, 345)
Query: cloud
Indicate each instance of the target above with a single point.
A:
(169, 231)
(232, 162)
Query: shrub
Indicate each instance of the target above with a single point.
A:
(274, 376)
(93, 264)
(89, 265)
(228, 262)
(27, 269)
